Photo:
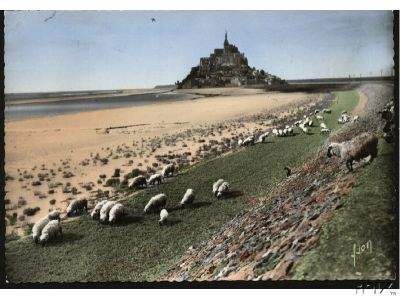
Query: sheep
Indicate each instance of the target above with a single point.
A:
(216, 186)
(290, 130)
(137, 182)
(156, 203)
(316, 111)
(288, 171)
(168, 170)
(297, 123)
(362, 146)
(310, 123)
(75, 206)
(95, 214)
(155, 178)
(285, 131)
(50, 231)
(320, 118)
(305, 130)
(163, 217)
(275, 132)
(248, 141)
(240, 142)
(223, 189)
(38, 227)
(54, 215)
(280, 132)
(355, 118)
(325, 130)
(105, 210)
(116, 213)
(188, 198)
(326, 110)
(263, 137)
(323, 125)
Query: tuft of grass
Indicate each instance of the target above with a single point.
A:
(367, 214)
(31, 211)
(138, 249)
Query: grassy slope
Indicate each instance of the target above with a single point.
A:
(139, 249)
(368, 213)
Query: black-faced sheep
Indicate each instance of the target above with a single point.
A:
(188, 198)
(163, 217)
(362, 146)
(50, 231)
(156, 203)
(76, 206)
(137, 182)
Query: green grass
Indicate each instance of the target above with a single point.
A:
(139, 249)
(367, 214)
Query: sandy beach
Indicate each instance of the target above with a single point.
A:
(61, 157)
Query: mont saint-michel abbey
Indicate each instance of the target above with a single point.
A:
(226, 67)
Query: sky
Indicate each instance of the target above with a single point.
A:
(100, 50)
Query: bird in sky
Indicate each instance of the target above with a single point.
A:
(153, 20)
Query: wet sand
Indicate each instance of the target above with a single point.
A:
(129, 138)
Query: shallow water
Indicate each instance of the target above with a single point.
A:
(62, 107)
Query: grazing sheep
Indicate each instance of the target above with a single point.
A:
(95, 214)
(223, 189)
(240, 142)
(54, 215)
(249, 141)
(163, 217)
(155, 178)
(105, 210)
(38, 227)
(156, 203)
(216, 186)
(76, 206)
(280, 132)
(168, 170)
(362, 146)
(297, 123)
(310, 123)
(50, 231)
(137, 182)
(316, 111)
(323, 125)
(326, 110)
(116, 213)
(305, 130)
(285, 132)
(320, 118)
(325, 130)
(263, 137)
(288, 171)
(275, 132)
(188, 198)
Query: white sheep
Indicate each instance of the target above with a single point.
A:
(303, 128)
(361, 146)
(50, 231)
(155, 178)
(249, 141)
(280, 132)
(275, 132)
(240, 142)
(76, 206)
(156, 203)
(216, 186)
(95, 214)
(38, 227)
(188, 198)
(168, 170)
(137, 182)
(263, 137)
(223, 189)
(309, 123)
(290, 130)
(326, 110)
(54, 215)
(325, 130)
(116, 213)
(323, 125)
(163, 217)
(355, 118)
(105, 210)
(320, 118)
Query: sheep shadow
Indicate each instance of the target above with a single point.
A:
(128, 219)
(66, 237)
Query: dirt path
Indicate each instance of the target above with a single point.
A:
(362, 104)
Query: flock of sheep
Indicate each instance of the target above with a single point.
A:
(109, 211)
(302, 124)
